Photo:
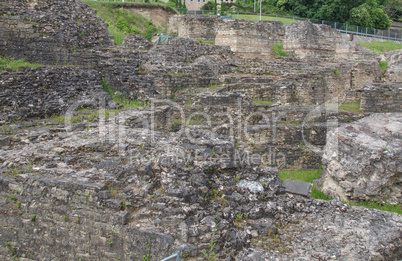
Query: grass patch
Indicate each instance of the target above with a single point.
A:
(378, 205)
(13, 64)
(266, 102)
(206, 42)
(383, 65)
(122, 20)
(382, 47)
(121, 99)
(278, 50)
(351, 107)
(310, 175)
(306, 176)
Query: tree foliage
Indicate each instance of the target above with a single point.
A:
(369, 13)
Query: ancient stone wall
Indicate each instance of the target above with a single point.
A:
(306, 40)
(71, 220)
(248, 38)
(195, 27)
(381, 97)
(50, 31)
(47, 91)
(374, 143)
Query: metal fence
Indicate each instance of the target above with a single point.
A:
(175, 255)
(393, 35)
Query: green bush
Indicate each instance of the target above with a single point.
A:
(278, 50)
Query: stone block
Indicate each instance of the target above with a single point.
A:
(297, 187)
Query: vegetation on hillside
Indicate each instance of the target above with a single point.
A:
(382, 47)
(310, 175)
(368, 13)
(13, 64)
(121, 21)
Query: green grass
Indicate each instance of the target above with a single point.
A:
(206, 42)
(310, 175)
(278, 50)
(382, 47)
(13, 64)
(122, 20)
(266, 102)
(306, 176)
(383, 65)
(264, 18)
(121, 99)
(378, 205)
(351, 107)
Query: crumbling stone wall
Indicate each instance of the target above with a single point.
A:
(71, 220)
(194, 27)
(46, 91)
(374, 143)
(381, 97)
(394, 66)
(49, 31)
(248, 38)
(306, 40)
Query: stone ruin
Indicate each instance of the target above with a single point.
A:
(200, 163)
(363, 160)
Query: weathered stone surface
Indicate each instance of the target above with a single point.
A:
(306, 40)
(252, 186)
(119, 187)
(47, 91)
(362, 160)
(136, 42)
(50, 31)
(394, 67)
(297, 187)
(250, 39)
(376, 97)
(198, 27)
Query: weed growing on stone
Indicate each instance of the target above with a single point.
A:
(206, 42)
(278, 50)
(383, 65)
(12, 250)
(13, 64)
(211, 255)
(121, 99)
(121, 21)
(7, 130)
(33, 218)
(113, 192)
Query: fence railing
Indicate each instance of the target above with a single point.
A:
(175, 255)
(393, 35)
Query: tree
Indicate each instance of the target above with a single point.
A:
(371, 15)
(393, 8)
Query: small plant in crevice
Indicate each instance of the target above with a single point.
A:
(211, 255)
(121, 98)
(278, 50)
(12, 250)
(33, 218)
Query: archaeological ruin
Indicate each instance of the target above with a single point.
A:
(193, 168)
